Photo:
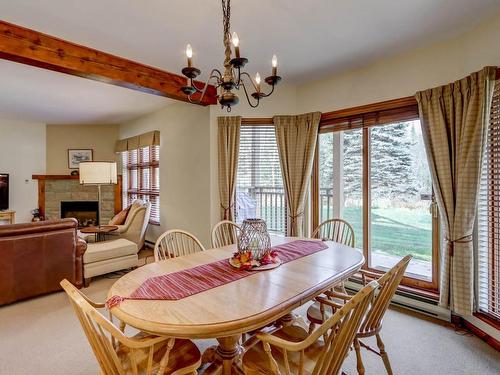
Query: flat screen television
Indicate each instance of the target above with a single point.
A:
(4, 191)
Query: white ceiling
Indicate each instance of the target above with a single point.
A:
(38, 95)
(311, 38)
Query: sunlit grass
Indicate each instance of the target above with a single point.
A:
(395, 231)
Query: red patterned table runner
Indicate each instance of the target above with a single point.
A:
(185, 283)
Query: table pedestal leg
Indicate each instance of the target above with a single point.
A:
(286, 320)
(292, 319)
(227, 351)
(224, 357)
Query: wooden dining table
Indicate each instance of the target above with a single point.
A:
(228, 311)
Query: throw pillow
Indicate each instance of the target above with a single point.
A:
(120, 217)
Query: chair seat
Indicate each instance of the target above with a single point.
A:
(314, 313)
(256, 361)
(184, 358)
(104, 250)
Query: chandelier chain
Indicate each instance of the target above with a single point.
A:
(226, 15)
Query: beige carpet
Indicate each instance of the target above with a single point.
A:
(42, 336)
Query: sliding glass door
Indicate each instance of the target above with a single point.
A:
(377, 178)
(341, 178)
(400, 215)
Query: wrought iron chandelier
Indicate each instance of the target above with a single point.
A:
(233, 77)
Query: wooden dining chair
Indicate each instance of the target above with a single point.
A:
(292, 350)
(118, 354)
(225, 233)
(336, 230)
(372, 324)
(175, 243)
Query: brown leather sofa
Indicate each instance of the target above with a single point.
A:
(35, 257)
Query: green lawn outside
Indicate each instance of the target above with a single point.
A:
(395, 231)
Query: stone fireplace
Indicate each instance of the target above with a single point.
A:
(54, 190)
(86, 212)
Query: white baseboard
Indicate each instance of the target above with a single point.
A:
(413, 302)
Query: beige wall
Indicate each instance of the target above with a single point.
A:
(60, 138)
(407, 73)
(22, 154)
(184, 167)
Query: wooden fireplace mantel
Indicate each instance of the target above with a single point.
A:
(44, 177)
(54, 177)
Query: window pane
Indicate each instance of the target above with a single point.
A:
(352, 182)
(141, 176)
(145, 185)
(488, 261)
(259, 188)
(326, 181)
(134, 179)
(400, 198)
(341, 179)
(133, 157)
(144, 155)
(125, 179)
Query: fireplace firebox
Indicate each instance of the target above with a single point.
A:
(86, 212)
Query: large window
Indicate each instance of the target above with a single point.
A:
(488, 265)
(341, 178)
(372, 171)
(259, 184)
(141, 178)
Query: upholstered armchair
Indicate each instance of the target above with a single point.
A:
(136, 224)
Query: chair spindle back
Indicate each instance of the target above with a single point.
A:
(104, 337)
(175, 243)
(336, 230)
(340, 330)
(225, 233)
(388, 285)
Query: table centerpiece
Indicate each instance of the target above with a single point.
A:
(254, 247)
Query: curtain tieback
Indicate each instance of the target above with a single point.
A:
(451, 243)
(226, 210)
(294, 217)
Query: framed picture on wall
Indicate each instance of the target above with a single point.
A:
(76, 156)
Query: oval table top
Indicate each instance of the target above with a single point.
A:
(237, 307)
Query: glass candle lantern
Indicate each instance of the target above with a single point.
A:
(254, 237)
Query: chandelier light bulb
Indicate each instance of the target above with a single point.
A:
(189, 54)
(189, 51)
(274, 63)
(236, 44)
(236, 40)
(257, 78)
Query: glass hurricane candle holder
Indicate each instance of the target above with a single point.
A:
(254, 237)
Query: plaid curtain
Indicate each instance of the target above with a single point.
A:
(454, 122)
(296, 137)
(229, 145)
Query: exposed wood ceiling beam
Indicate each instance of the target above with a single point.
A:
(31, 47)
